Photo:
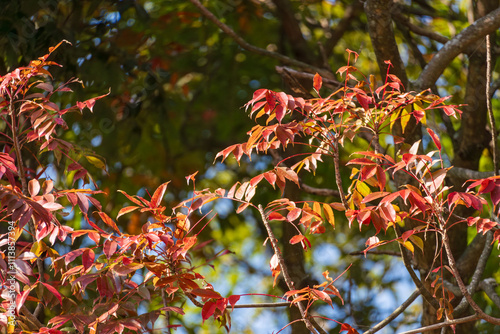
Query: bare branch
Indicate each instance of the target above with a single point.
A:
(483, 26)
(31, 318)
(442, 324)
(377, 253)
(488, 285)
(397, 16)
(350, 13)
(291, 31)
(334, 84)
(318, 191)
(262, 305)
(493, 127)
(481, 264)
(284, 270)
(468, 174)
(463, 288)
(418, 283)
(378, 14)
(395, 313)
(245, 45)
(338, 177)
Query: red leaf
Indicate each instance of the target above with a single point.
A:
(54, 291)
(105, 218)
(158, 195)
(206, 293)
(293, 214)
(317, 82)
(348, 328)
(207, 310)
(126, 210)
(275, 216)
(296, 239)
(232, 300)
(364, 101)
(88, 258)
(435, 138)
(109, 248)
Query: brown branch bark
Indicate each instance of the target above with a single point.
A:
(476, 31)
(378, 14)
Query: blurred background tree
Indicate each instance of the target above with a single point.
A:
(177, 86)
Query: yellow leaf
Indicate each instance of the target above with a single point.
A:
(317, 208)
(408, 245)
(363, 189)
(353, 173)
(96, 161)
(417, 241)
(405, 118)
(329, 214)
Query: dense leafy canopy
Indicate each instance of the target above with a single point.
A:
(177, 84)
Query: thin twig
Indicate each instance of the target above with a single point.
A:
(481, 264)
(397, 254)
(418, 283)
(284, 270)
(442, 324)
(245, 45)
(493, 126)
(262, 305)
(395, 313)
(463, 288)
(334, 84)
(167, 313)
(318, 191)
(338, 178)
(24, 184)
(397, 16)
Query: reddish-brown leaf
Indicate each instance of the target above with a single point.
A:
(206, 293)
(110, 222)
(158, 195)
(317, 82)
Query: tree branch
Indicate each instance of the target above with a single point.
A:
(292, 32)
(350, 13)
(442, 324)
(418, 283)
(397, 16)
(463, 288)
(481, 264)
(483, 26)
(284, 271)
(468, 174)
(395, 313)
(262, 305)
(378, 14)
(318, 191)
(493, 126)
(245, 45)
(488, 286)
(334, 84)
